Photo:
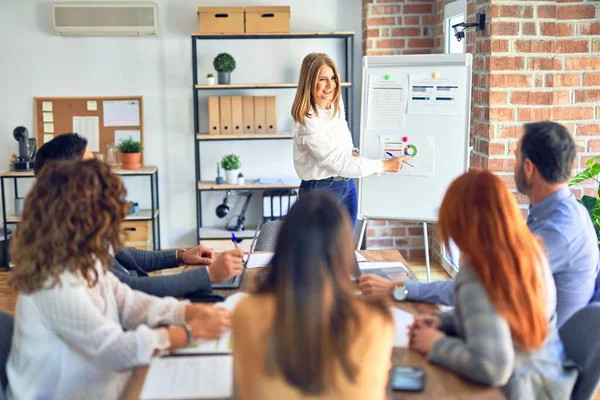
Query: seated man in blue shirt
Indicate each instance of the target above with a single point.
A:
(131, 265)
(545, 156)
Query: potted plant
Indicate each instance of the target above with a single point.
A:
(224, 63)
(210, 79)
(131, 153)
(591, 203)
(231, 164)
(134, 208)
(240, 178)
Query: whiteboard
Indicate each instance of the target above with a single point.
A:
(415, 105)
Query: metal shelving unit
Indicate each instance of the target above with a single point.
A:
(207, 233)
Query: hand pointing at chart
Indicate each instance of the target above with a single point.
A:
(394, 164)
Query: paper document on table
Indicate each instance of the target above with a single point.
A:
(121, 113)
(89, 128)
(402, 320)
(224, 344)
(258, 260)
(386, 109)
(207, 377)
(359, 257)
(395, 271)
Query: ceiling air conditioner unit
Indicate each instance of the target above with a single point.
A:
(105, 19)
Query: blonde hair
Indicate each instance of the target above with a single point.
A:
(304, 101)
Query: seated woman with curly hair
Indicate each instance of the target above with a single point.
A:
(78, 329)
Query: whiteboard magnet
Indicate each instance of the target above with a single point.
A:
(435, 75)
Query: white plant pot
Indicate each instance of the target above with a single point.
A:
(211, 81)
(241, 180)
(231, 176)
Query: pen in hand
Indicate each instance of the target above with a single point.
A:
(391, 155)
(234, 240)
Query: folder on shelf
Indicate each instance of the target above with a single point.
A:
(248, 114)
(293, 198)
(237, 120)
(225, 109)
(285, 203)
(276, 202)
(259, 114)
(271, 114)
(267, 206)
(214, 119)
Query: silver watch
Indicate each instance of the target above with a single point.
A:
(190, 334)
(400, 292)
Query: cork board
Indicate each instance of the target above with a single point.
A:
(64, 109)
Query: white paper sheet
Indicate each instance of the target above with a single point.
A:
(92, 105)
(121, 113)
(421, 148)
(48, 117)
(380, 264)
(434, 96)
(359, 257)
(88, 127)
(258, 260)
(124, 134)
(402, 320)
(49, 128)
(205, 377)
(48, 137)
(386, 102)
(395, 271)
(223, 345)
(47, 106)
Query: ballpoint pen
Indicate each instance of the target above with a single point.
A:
(391, 155)
(234, 240)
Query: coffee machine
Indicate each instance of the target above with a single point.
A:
(27, 149)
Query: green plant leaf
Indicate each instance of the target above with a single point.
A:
(590, 203)
(593, 160)
(231, 162)
(129, 146)
(586, 174)
(224, 62)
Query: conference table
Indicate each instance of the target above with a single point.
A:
(439, 383)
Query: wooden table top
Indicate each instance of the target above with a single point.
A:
(439, 383)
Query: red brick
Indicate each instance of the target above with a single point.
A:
(596, 46)
(371, 33)
(399, 232)
(417, 9)
(533, 46)
(529, 29)
(502, 114)
(510, 80)
(565, 30)
(535, 114)
(378, 21)
(531, 98)
(391, 44)
(563, 80)
(583, 63)
(412, 20)
(501, 164)
(482, 146)
(507, 63)
(544, 63)
(561, 97)
(589, 29)
(498, 98)
(497, 149)
(572, 46)
(416, 254)
(591, 79)
(485, 130)
(427, 20)
(499, 45)
(576, 12)
(508, 180)
(380, 53)
(587, 96)
(512, 131)
(565, 114)
(417, 43)
(420, 51)
(504, 28)
(548, 28)
(415, 231)
(588, 129)
(544, 11)
(511, 11)
(594, 146)
(388, 9)
(406, 32)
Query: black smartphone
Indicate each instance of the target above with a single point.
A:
(408, 379)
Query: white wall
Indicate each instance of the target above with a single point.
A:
(36, 62)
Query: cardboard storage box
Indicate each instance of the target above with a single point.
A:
(139, 234)
(268, 19)
(221, 19)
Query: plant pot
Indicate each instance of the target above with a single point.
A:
(224, 78)
(131, 161)
(232, 176)
(211, 80)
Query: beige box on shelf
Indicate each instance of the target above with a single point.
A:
(214, 116)
(274, 19)
(248, 114)
(225, 110)
(139, 234)
(221, 19)
(260, 114)
(237, 119)
(271, 114)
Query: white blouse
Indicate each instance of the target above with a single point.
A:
(323, 148)
(76, 342)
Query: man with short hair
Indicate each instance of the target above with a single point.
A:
(131, 265)
(545, 157)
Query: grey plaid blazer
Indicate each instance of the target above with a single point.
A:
(479, 346)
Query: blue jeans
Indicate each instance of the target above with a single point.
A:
(343, 191)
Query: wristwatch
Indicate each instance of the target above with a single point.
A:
(189, 333)
(179, 256)
(400, 292)
(356, 150)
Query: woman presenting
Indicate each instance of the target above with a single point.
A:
(323, 151)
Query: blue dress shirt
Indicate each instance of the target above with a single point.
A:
(572, 248)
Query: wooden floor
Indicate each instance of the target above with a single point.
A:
(8, 296)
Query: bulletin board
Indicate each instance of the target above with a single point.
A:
(418, 106)
(102, 120)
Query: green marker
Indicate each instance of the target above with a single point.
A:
(387, 77)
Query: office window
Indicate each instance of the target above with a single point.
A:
(454, 13)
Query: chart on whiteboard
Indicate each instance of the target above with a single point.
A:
(387, 99)
(435, 96)
(420, 148)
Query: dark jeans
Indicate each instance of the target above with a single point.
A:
(343, 191)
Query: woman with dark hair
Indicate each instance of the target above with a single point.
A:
(304, 332)
(78, 329)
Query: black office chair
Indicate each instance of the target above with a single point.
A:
(7, 323)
